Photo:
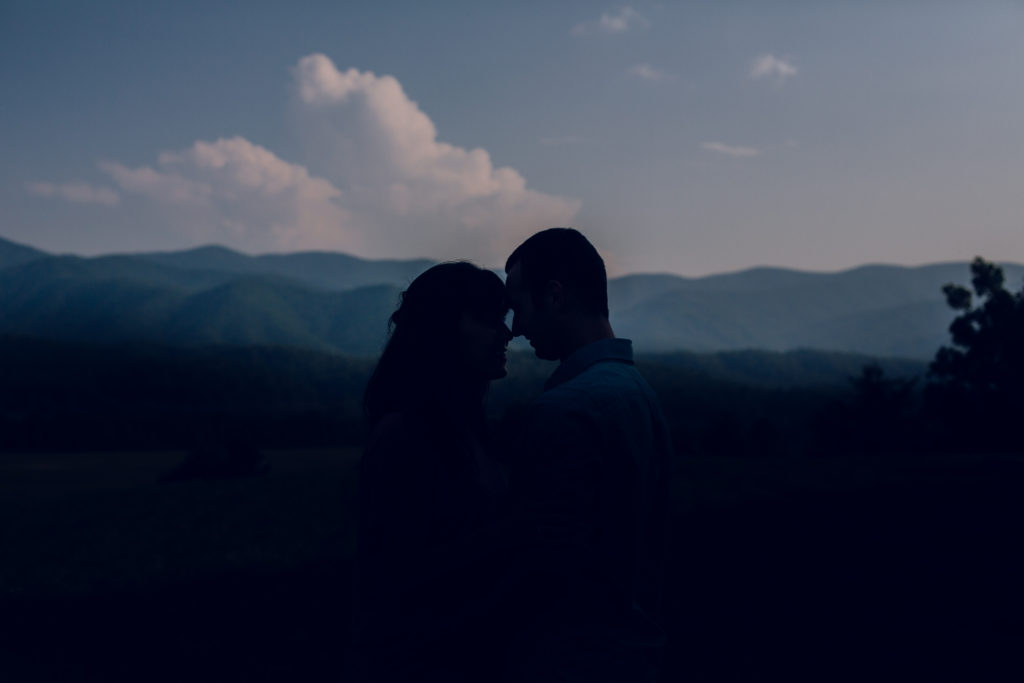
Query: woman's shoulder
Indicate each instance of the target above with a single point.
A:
(395, 438)
(393, 429)
(391, 423)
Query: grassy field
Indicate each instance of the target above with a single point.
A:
(78, 523)
(781, 568)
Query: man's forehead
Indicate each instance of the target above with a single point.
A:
(514, 287)
(513, 277)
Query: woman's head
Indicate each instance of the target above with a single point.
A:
(448, 334)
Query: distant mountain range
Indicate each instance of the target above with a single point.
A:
(337, 302)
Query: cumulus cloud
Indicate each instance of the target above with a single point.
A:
(373, 180)
(163, 187)
(80, 192)
(646, 72)
(770, 66)
(235, 192)
(730, 150)
(408, 190)
(617, 21)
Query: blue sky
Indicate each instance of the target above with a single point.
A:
(681, 137)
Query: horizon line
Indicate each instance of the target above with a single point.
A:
(652, 273)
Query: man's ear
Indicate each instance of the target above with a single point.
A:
(554, 294)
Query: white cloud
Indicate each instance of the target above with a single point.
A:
(730, 150)
(163, 187)
(235, 192)
(618, 21)
(646, 72)
(411, 193)
(80, 192)
(770, 66)
(373, 180)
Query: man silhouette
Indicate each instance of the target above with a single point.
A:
(592, 469)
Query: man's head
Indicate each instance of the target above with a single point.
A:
(558, 291)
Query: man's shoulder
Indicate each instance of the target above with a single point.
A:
(607, 378)
(596, 390)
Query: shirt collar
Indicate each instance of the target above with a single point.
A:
(620, 350)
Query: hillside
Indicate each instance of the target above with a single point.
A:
(316, 269)
(12, 253)
(878, 310)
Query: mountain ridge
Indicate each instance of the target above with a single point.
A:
(339, 302)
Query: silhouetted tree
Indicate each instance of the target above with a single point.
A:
(978, 382)
(875, 393)
(880, 416)
(884, 408)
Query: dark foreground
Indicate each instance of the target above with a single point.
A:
(828, 569)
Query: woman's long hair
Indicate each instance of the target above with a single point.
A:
(419, 371)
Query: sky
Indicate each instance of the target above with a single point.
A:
(682, 137)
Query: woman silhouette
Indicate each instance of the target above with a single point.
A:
(428, 482)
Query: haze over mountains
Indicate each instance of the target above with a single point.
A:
(337, 302)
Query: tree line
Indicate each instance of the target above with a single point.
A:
(59, 395)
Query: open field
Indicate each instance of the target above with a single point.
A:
(780, 567)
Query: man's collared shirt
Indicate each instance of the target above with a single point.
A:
(610, 350)
(596, 454)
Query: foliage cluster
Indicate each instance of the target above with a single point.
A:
(978, 382)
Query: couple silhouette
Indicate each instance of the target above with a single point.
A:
(532, 558)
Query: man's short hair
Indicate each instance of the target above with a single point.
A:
(565, 255)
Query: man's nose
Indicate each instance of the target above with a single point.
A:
(506, 333)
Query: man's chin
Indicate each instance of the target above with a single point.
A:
(544, 354)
